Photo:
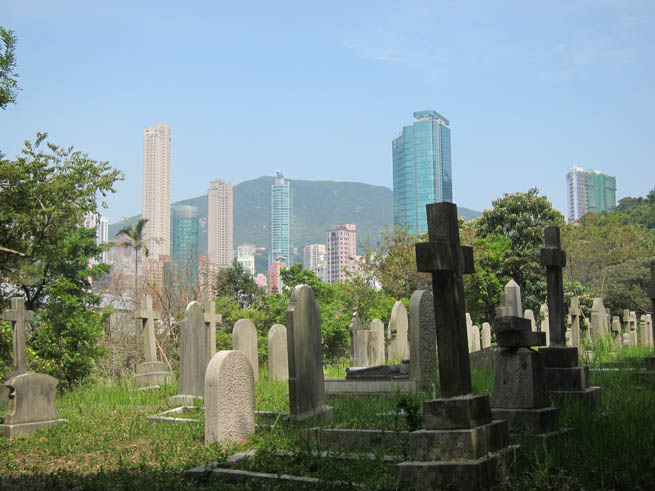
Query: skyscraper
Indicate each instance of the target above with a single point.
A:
(422, 171)
(341, 248)
(220, 226)
(281, 246)
(588, 191)
(184, 245)
(157, 189)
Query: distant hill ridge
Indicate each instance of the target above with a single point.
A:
(318, 207)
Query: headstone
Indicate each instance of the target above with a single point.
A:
(376, 354)
(598, 320)
(513, 294)
(575, 313)
(645, 339)
(31, 404)
(616, 331)
(456, 449)
(503, 308)
(486, 335)
(361, 339)
(529, 314)
(18, 317)
(626, 339)
(649, 328)
(543, 325)
(398, 325)
(278, 359)
(475, 334)
(633, 329)
(193, 356)
(229, 398)
(355, 325)
(244, 338)
(422, 339)
(564, 378)
(651, 295)
(212, 320)
(306, 383)
(469, 332)
(151, 373)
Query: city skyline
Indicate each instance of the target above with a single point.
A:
(527, 87)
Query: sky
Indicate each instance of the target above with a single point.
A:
(320, 89)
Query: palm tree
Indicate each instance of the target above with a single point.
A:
(137, 241)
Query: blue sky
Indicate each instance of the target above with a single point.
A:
(319, 90)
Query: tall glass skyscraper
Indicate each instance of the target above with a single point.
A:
(184, 245)
(281, 246)
(422, 170)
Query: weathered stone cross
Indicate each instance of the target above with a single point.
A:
(148, 315)
(213, 320)
(448, 261)
(18, 317)
(554, 258)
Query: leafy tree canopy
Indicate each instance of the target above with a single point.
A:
(8, 83)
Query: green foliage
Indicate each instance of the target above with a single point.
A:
(411, 408)
(8, 83)
(5, 348)
(134, 238)
(66, 342)
(237, 283)
(639, 210)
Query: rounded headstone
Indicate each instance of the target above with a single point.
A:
(278, 357)
(244, 338)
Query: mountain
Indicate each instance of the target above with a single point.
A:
(318, 207)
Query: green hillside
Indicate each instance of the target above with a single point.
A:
(318, 206)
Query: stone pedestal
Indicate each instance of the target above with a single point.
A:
(565, 380)
(461, 446)
(152, 374)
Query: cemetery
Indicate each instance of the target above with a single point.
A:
(423, 399)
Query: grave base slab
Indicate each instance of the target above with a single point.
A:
(461, 474)
(457, 412)
(567, 379)
(589, 397)
(532, 420)
(183, 400)
(152, 374)
(25, 429)
(560, 356)
(323, 413)
(339, 438)
(354, 386)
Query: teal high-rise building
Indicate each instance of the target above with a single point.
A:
(589, 191)
(422, 170)
(184, 245)
(281, 245)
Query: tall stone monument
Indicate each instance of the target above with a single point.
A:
(460, 447)
(376, 351)
(422, 339)
(564, 378)
(398, 326)
(152, 373)
(575, 312)
(354, 327)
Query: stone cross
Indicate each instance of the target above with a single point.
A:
(448, 261)
(18, 316)
(212, 320)
(575, 313)
(554, 258)
(147, 315)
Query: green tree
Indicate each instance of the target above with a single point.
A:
(137, 241)
(8, 83)
(521, 218)
(237, 283)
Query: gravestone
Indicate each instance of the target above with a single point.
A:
(278, 359)
(616, 331)
(193, 356)
(460, 447)
(306, 382)
(398, 325)
(486, 335)
(520, 395)
(649, 328)
(645, 338)
(598, 320)
(422, 339)
(376, 354)
(633, 329)
(651, 295)
(244, 338)
(229, 398)
(529, 314)
(355, 325)
(513, 294)
(469, 332)
(31, 404)
(564, 378)
(18, 317)
(361, 339)
(475, 335)
(543, 325)
(575, 313)
(152, 373)
(212, 320)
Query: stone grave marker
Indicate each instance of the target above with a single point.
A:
(152, 373)
(513, 294)
(422, 339)
(398, 325)
(278, 359)
(564, 378)
(469, 332)
(543, 325)
(353, 328)
(598, 320)
(229, 398)
(212, 320)
(306, 382)
(18, 317)
(376, 354)
(645, 339)
(575, 313)
(475, 335)
(529, 314)
(616, 331)
(244, 338)
(486, 335)
(31, 405)
(193, 356)
(456, 449)
(649, 328)
(361, 348)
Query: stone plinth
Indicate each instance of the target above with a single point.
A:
(152, 374)
(566, 380)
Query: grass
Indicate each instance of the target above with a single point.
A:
(109, 444)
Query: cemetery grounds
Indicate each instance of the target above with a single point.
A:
(108, 442)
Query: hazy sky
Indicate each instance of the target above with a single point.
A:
(319, 89)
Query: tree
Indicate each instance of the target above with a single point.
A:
(237, 283)
(137, 241)
(521, 218)
(8, 83)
